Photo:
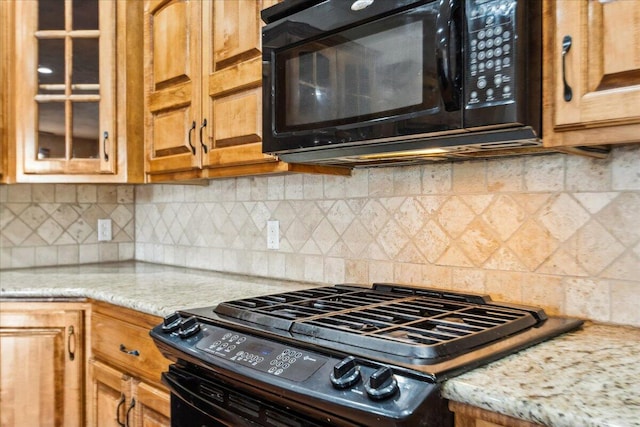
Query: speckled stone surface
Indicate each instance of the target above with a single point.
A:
(149, 288)
(586, 378)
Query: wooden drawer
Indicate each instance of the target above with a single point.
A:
(126, 344)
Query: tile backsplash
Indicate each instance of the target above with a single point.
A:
(558, 231)
(56, 224)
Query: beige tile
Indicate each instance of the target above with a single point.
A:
(381, 182)
(358, 184)
(621, 217)
(19, 193)
(407, 181)
(587, 174)
(588, 299)
(469, 280)
(455, 216)
(563, 216)
(533, 244)
(544, 291)
(505, 175)
(596, 248)
(469, 177)
(87, 193)
(504, 286)
(43, 193)
(437, 179)
(624, 302)
(334, 270)
(504, 216)
(625, 168)
(544, 173)
(478, 242)
(335, 187)
(293, 189)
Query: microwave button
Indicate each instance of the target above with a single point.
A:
(506, 61)
(497, 80)
(506, 48)
(497, 31)
(481, 56)
(489, 55)
(489, 43)
(482, 83)
(481, 35)
(489, 64)
(506, 34)
(481, 45)
(490, 20)
(489, 33)
(497, 51)
(497, 41)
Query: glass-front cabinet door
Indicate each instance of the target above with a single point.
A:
(65, 83)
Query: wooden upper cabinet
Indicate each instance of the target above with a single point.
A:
(203, 96)
(593, 46)
(76, 68)
(172, 85)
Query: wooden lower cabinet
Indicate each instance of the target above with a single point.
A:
(124, 373)
(42, 363)
(472, 416)
(118, 399)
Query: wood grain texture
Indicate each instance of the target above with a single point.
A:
(42, 364)
(472, 416)
(602, 68)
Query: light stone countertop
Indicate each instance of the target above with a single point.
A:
(586, 378)
(150, 288)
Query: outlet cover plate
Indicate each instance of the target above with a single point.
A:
(273, 234)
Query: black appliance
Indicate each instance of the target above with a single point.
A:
(341, 355)
(372, 82)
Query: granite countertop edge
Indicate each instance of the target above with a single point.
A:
(586, 378)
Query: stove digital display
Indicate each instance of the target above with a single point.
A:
(258, 348)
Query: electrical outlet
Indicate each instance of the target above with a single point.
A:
(273, 234)
(104, 230)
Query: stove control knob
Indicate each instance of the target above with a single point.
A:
(382, 384)
(189, 327)
(345, 373)
(170, 323)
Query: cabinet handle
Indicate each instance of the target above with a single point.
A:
(191, 129)
(71, 343)
(105, 137)
(204, 146)
(123, 349)
(133, 404)
(118, 410)
(566, 47)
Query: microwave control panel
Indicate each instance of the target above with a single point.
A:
(490, 52)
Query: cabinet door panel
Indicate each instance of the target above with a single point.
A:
(602, 65)
(172, 84)
(152, 406)
(111, 395)
(41, 366)
(238, 118)
(236, 31)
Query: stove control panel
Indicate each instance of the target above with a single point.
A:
(265, 356)
(347, 381)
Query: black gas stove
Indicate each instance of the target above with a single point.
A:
(340, 355)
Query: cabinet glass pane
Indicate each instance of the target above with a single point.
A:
(85, 130)
(51, 15)
(51, 141)
(85, 66)
(50, 66)
(85, 14)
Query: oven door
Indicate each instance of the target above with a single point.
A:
(336, 75)
(215, 402)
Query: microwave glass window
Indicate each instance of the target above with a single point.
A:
(365, 73)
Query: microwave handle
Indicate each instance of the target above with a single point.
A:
(448, 46)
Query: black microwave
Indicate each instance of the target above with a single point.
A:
(369, 82)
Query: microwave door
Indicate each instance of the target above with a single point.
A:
(385, 78)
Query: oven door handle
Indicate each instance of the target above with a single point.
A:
(448, 46)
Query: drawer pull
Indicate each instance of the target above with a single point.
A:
(566, 46)
(71, 343)
(133, 404)
(123, 349)
(119, 409)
